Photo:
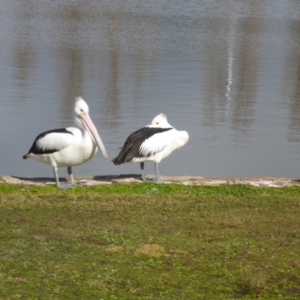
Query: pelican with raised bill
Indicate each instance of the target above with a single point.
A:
(152, 143)
(68, 147)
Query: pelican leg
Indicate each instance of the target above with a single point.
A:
(143, 172)
(61, 186)
(72, 182)
(157, 174)
(71, 175)
(56, 176)
(150, 179)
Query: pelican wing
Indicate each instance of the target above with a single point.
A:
(133, 144)
(157, 142)
(52, 141)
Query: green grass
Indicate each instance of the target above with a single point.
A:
(149, 241)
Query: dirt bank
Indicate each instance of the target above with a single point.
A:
(187, 180)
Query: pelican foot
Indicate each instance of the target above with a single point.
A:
(144, 179)
(65, 186)
(161, 181)
(154, 180)
(80, 184)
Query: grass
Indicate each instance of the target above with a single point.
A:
(149, 241)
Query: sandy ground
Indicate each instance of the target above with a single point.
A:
(187, 180)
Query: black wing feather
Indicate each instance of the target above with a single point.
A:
(132, 145)
(35, 149)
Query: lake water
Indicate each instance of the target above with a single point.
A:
(228, 72)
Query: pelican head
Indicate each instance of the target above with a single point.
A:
(83, 120)
(80, 107)
(160, 121)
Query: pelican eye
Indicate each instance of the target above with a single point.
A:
(157, 123)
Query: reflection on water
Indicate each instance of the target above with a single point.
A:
(228, 72)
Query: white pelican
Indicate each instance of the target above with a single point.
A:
(152, 143)
(67, 147)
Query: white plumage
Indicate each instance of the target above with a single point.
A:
(158, 143)
(152, 143)
(67, 147)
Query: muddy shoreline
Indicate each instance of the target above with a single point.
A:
(130, 178)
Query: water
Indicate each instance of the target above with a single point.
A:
(228, 72)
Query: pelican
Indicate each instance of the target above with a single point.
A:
(151, 143)
(67, 147)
